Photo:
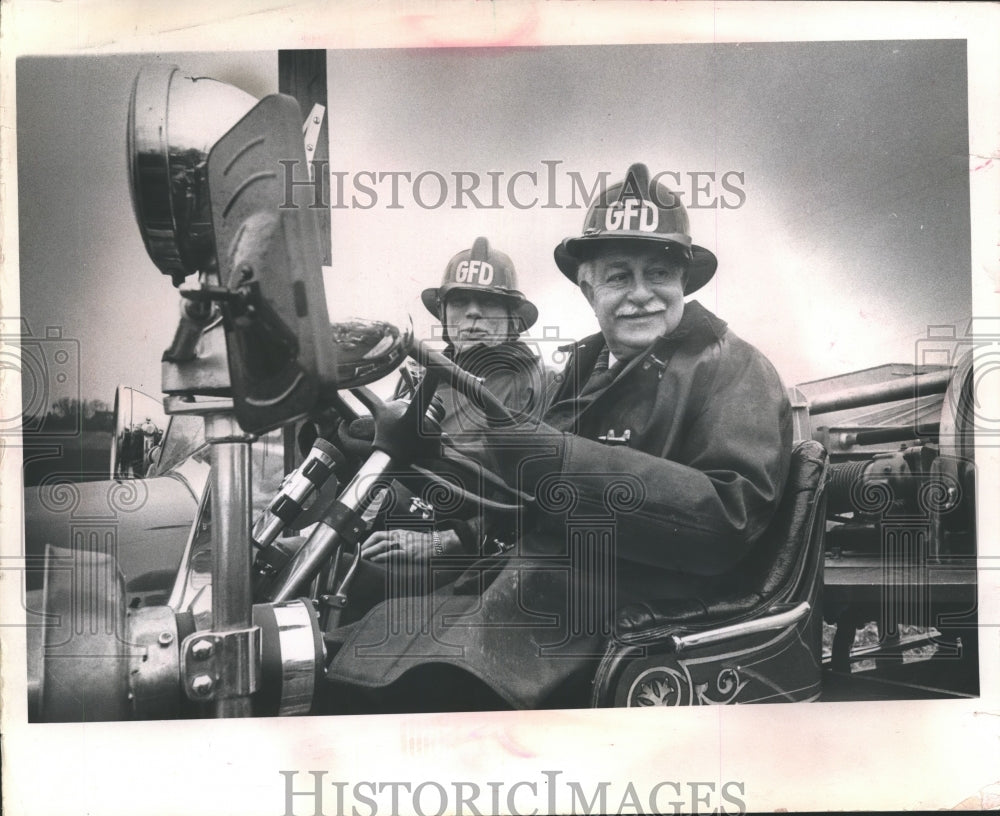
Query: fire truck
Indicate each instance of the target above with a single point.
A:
(239, 526)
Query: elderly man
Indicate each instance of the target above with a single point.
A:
(668, 392)
(662, 457)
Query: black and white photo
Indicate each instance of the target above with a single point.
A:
(382, 401)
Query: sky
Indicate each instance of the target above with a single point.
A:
(848, 236)
(83, 267)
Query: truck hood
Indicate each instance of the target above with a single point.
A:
(143, 523)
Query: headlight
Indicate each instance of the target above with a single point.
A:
(206, 166)
(174, 120)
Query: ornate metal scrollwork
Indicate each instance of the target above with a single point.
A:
(659, 686)
(728, 683)
(664, 686)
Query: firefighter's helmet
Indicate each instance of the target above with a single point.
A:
(484, 270)
(637, 210)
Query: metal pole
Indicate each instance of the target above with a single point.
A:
(921, 385)
(232, 601)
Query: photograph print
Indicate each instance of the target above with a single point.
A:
(475, 379)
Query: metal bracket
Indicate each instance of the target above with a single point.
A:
(177, 404)
(218, 665)
(419, 506)
(153, 662)
(310, 135)
(611, 439)
(223, 428)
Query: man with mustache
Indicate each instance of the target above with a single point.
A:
(668, 395)
(661, 459)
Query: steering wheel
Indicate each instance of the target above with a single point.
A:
(402, 439)
(420, 421)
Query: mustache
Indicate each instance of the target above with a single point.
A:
(638, 312)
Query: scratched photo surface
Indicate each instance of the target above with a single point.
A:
(829, 179)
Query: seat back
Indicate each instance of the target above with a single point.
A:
(783, 572)
(783, 566)
(786, 555)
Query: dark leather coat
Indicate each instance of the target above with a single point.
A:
(709, 444)
(661, 514)
(509, 370)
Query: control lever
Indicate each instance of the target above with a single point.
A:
(298, 487)
(343, 524)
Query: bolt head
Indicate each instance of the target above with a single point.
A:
(165, 638)
(202, 650)
(202, 685)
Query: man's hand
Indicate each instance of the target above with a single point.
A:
(355, 437)
(404, 435)
(410, 546)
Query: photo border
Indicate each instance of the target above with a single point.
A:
(926, 754)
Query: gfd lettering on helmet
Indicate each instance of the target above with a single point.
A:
(631, 214)
(480, 272)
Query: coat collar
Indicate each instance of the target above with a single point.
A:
(482, 358)
(698, 326)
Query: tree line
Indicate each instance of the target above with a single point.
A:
(69, 412)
